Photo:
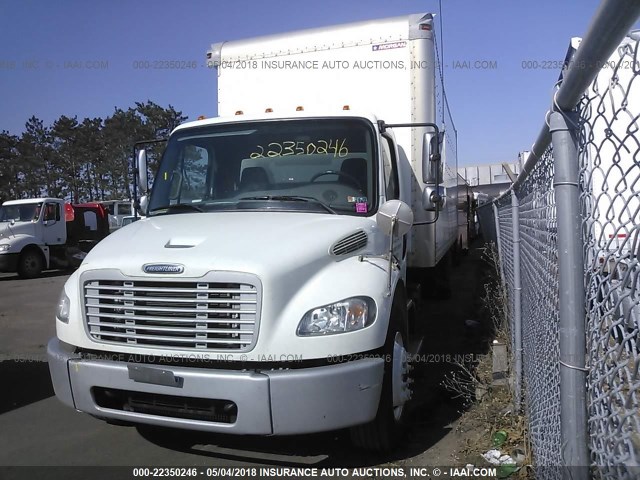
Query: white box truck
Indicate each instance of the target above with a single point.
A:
(269, 290)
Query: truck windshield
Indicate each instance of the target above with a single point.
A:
(25, 212)
(320, 165)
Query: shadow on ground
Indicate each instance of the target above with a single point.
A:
(45, 274)
(25, 382)
(331, 449)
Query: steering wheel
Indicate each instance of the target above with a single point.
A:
(349, 177)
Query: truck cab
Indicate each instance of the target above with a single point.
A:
(42, 233)
(28, 229)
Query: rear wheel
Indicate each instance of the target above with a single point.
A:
(385, 431)
(30, 264)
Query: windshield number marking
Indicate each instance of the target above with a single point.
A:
(336, 147)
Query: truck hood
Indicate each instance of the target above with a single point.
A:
(7, 231)
(262, 243)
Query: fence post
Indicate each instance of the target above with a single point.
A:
(498, 244)
(571, 297)
(517, 300)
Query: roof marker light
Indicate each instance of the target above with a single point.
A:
(239, 112)
(201, 117)
(268, 110)
(299, 108)
(346, 107)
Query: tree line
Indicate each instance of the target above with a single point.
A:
(81, 161)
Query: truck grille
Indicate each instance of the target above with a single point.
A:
(184, 315)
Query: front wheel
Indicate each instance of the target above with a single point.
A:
(30, 264)
(385, 431)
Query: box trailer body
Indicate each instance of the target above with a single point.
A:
(267, 291)
(42, 233)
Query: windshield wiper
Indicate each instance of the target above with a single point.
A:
(293, 198)
(178, 208)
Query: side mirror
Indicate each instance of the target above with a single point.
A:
(394, 217)
(141, 164)
(431, 160)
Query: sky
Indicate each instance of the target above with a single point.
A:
(84, 59)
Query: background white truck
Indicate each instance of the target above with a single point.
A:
(42, 233)
(270, 289)
(118, 210)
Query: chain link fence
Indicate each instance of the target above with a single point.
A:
(610, 209)
(575, 211)
(540, 341)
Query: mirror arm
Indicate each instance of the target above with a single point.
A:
(393, 229)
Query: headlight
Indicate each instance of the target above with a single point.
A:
(62, 310)
(344, 316)
(4, 247)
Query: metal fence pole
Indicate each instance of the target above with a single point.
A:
(517, 302)
(498, 244)
(571, 293)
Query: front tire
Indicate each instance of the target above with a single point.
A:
(385, 431)
(30, 264)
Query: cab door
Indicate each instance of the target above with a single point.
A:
(54, 229)
(393, 190)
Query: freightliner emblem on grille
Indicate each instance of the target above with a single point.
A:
(163, 268)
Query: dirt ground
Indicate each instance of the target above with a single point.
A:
(455, 369)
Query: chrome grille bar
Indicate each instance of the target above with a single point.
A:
(180, 314)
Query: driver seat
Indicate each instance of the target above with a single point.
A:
(253, 178)
(356, 168)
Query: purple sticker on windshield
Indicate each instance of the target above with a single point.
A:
(361, 207)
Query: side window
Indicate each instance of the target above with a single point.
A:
(390, 170)
(189, 181)
(90, 221)
(124, 209)
(51, 212)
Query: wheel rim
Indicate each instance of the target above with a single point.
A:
(399, 380)
(30, 264)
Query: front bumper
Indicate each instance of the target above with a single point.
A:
(9, 262)
(269, 402)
